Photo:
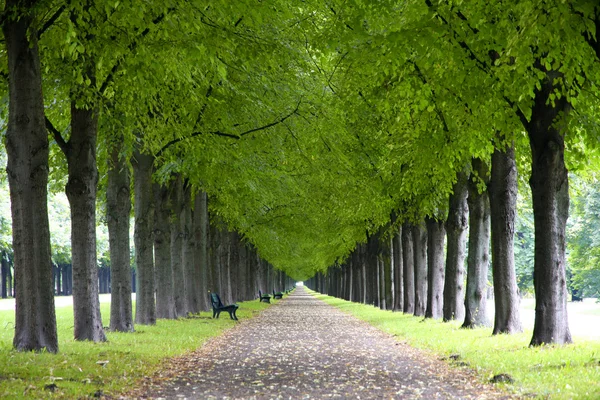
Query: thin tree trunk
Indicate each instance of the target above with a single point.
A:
(408, 262)
(145, 306)
(503, 203)
(435, 268)
(177, 235)
(398, 271)
(479, 250)
(81, 192)
(201, 232)
(187, 252)
(27, 149)
(165, 291)
(387, 274)
(550, 192)
(420, 256)
(118, 212)
(456, 251)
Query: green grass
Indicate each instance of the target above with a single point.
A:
(130, 356)
(557, 372)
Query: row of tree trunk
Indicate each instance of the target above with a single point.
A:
(409, 271)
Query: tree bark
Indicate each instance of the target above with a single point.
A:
(145, 306)
(177, 235)
(408, 261)
(201, 232)
(550, 192)
(27, 170)
(479, 250)
(456, 251)
(420, 264)
(118, 212)
(165, 291)
(503, 203)
(435, 268)
(398, 271)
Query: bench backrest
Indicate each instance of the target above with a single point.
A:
(215, 300)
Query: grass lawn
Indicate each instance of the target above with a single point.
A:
(75, 372)
(557, 372)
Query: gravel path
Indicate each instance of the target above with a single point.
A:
(302, 348)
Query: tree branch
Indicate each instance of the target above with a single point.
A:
(51, 21)
(226, 134)
(132, 46)
(57, 136)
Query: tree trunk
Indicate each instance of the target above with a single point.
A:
(118, 212)
(408, 261)
(165, 291)
(387, 274)
(81, 192)
(550, 192)
(201, 232)
(177, 235)
(398, 271)
(5, 266)
(145, 306)
(479, 250)
(187, 252)
(27, 149)
(435, 268)
(420, 264)
(503, 203)
(456, 251)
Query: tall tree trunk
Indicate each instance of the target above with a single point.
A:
(5, 271)
(550, 192)
(435, 268)
(27, 148)
(118, 212)
(456, 251)
(479, 249)
(503, 203)
(387, 274)
(408, 261)
(145, 306)
(165, 291)
(419, 232)
(177, 235)
(201, 232)
(398, 271)
(81, 192)
(187, 252)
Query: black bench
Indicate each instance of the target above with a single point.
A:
(277, 295)
(218, 306)
(264, 297)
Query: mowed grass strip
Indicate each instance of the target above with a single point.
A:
(556, 372)
(86, 369)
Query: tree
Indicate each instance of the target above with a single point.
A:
(479, 244)
(419, 234)
(165, 290)
(503, 200)
(145, 306)
(456, 230)
(118, 213)
(435, 268)
(27, 149)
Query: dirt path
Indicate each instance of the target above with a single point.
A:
(302, 348)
